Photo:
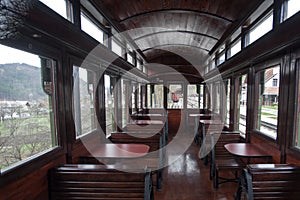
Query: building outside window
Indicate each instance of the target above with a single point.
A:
(267, 114)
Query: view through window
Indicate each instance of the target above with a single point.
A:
(83, 100)
(27, 93)
(267, 114)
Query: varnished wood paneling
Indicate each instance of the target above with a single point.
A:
(33, 186)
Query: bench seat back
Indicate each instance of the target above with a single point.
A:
(98, 182)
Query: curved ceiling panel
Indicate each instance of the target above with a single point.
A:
(191, 28)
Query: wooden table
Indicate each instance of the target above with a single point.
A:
(112, 152)
(247, 150)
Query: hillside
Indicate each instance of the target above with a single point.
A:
(20, 82)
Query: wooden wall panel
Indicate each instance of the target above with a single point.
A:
(32, 186)
(265, 144)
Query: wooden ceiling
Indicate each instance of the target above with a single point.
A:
(187, 28)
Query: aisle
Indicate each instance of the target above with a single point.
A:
(188, 179)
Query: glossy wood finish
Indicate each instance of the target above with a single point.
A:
(188, 179)
(246, 150)
(120, 151)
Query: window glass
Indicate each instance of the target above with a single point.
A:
(261, 29)
(235, 48)
(297, 111)
(145, 70)
(227, 115)
(116, 48)
(201, 96)
(83, 100)
(59, 6)
(155, 96)
(109, 104)
(193, 96)
(91, 28)
(130, 59)
(221, 58)
(216, 98)
(139, 96)
(139, 64)
(125, 101)
(268, 101)
(242, 104)
(27, 109)
(293, 6)
(175, 96)
(133, 98)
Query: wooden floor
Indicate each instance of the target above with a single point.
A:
(188, 179)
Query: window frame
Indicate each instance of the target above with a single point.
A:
(33, 163)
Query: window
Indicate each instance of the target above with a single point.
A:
(242, 104)
(297, 110)
(62, 7)
(260, 29)
(221, 58)
(201, 93)
(116, 48)
(268, 95)
(130, 58)
(155, 96)
(139, 65)
(109, 104)
(91, 28)
(125, 101)
(216, 98)
(133, 97)
(275, 82)
(175, 96)
(193, 96)
(227, 113)
(27, 109)
(235, 48)
(290, 8)
(83, 100)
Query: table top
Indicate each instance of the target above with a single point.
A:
(245, 150)
(120, 151)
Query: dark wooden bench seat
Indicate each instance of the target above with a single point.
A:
(84, 181)
(269, 181)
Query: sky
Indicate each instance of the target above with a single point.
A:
(11, 55)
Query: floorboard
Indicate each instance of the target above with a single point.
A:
(188, 179)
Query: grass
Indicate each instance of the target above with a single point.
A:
(268, 115)
(274, 107)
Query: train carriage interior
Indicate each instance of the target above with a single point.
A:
(149, 99)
